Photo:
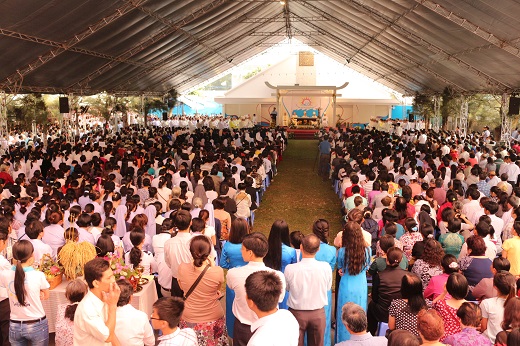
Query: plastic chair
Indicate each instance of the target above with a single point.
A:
(251, 218)
(382, 327)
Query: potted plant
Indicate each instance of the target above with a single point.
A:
(52, 269)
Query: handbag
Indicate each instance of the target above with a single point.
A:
(192, 288)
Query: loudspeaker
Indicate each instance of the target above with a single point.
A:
(411, 117)
(164, 116)
(64, 105)
(170, 103)
(514, 106)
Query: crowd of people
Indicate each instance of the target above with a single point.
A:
(163, 199)
(429, 250)
(439, 233)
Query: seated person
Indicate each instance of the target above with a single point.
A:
(132, 325)
(470, 316)
(484, 289)
(355, 320)
(386, 242)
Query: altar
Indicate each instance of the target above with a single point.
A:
(305, 118)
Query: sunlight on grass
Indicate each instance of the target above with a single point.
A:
(298, 195)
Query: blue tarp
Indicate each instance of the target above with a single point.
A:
(401, 112)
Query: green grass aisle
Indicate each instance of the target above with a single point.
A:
(298, 195)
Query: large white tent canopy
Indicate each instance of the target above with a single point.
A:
(151, 46)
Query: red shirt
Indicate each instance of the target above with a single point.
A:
(348, 191)
(7, 177)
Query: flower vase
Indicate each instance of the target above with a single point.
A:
(54, 281)
(134, 281)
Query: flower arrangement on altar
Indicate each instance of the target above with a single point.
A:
(119, 267)
(124, 271)
(52, 270)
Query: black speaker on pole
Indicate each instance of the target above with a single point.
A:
(514, 106)
(64, 105)
(164, 116)
(171, 104)
(411, 117)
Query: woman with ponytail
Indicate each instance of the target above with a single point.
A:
(74, 293)
(327, 254)
(110, 225)
(4, 302)
(136, 256)
(28, 323)
(202, 309)
(493, 308)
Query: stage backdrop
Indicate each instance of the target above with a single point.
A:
(307, 106)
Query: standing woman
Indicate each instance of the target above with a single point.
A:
(280, 252)
(4, 302)
(326, 253)
(201, 280)
(353, 260)
(28, 323)
(232, 258)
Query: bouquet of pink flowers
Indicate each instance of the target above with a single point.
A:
(119, 267)
(50, 267)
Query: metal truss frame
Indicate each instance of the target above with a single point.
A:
(463, 116)
(380, 44)
(471, 27)
(376, 60)
(10, 82)
(148, 42)
(505, 129)
(179, 52)
(381, 18)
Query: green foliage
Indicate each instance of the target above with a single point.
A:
(423, 105)
(252, 73)
(449, 106)
(484, 110)
(102, 105)
(154, 103)
(34, 109)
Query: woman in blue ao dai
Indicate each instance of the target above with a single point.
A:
(353, 261)
(326, 253)
(231, 258)
(280, 252)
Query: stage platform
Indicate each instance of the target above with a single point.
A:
(302, 133)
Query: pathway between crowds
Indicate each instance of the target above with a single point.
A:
(298, 195)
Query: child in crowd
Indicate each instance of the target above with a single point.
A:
(295, 237)
(167, 312)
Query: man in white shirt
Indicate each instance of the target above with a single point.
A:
(472, 208)
(254, 249)
(490, 209)
(308, 282)
(177, 249)
(274, 326)
(95, 317)
(132, 325)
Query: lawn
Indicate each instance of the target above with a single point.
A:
(297, 194)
